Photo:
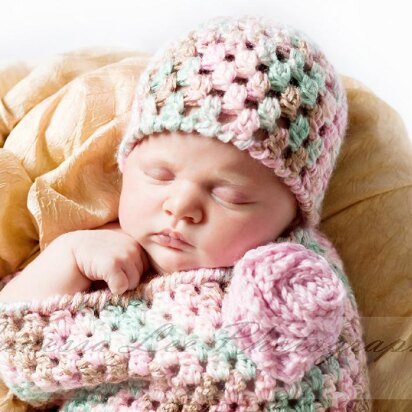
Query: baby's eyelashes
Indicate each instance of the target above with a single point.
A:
(159, 175)
(233, 197)
(226, 194)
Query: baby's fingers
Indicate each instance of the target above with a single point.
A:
(118, 282)
(134, 271)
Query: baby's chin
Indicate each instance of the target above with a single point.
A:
(164, 265)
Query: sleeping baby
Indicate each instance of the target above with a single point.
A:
(214, 290)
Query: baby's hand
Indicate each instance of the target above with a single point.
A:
(112, 256)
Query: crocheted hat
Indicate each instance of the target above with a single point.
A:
(262, 86)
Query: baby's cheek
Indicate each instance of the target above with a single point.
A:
(249, 236)
(225, 251)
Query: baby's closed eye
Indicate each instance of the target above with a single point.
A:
(159, 174)
(226, 193)
(231, 196)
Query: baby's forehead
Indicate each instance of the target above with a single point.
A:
(195, 144)
(211, 153)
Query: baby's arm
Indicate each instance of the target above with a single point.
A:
(54, 271)
(74, 260)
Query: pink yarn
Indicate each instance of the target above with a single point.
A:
(287, 298)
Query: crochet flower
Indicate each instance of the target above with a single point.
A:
(285, 308)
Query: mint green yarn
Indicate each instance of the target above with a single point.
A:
(228, 352)
(314, 149)
(195, 345)
(267, 51)
(332, 365)
(297, 64)
(189, 69)
(175, 102)
(245, 365)
(170, 114)
(171, 117)
(207, 126)
(313, 377)
(25, 392)
(269, 111)
(279, 75)
(157, 124)
(281, 402)
(212, 105)
(307, 401)
(308, 90)
(74, 405)
(295, 37)
(317, 74)
(298, 131)
(207, 123)
(304, 403)
(188, 123)
(148, 111)
(171, 120)
(149, 105)
(312, 245)
(164, 70)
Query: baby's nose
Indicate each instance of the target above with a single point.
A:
(185, 201)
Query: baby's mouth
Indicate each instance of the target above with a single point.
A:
(170, 242)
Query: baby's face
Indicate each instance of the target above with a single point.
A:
(221, 200)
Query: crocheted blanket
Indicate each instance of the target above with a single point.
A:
(279, 331)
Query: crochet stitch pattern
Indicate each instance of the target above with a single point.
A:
(264, 87)
(168, 345)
